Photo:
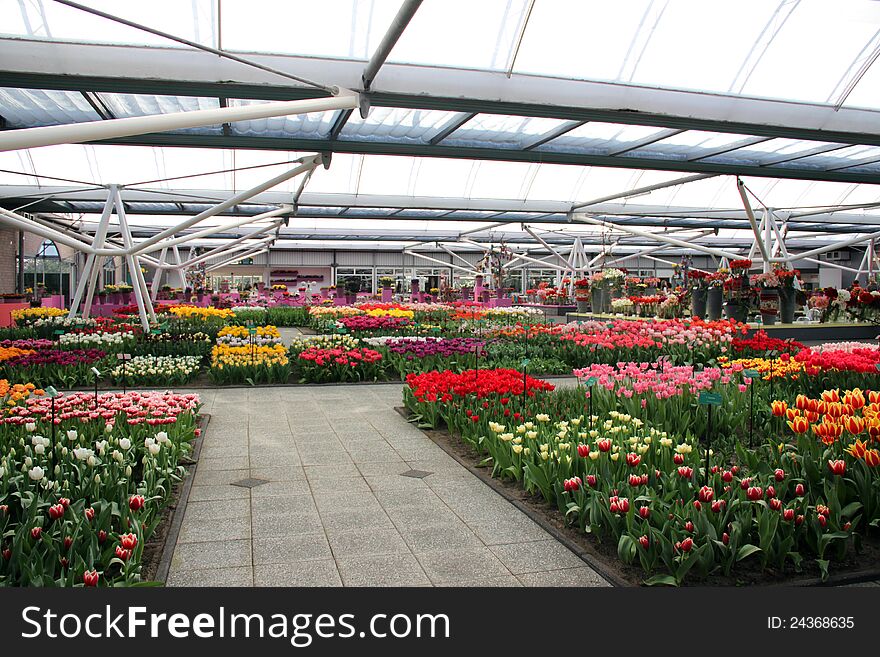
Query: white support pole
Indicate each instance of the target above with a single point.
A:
(659, 237)
(78, 133)
(440, 262)
(760, 239)
(546, 245)
(157, 276)
(178, 270)
(223, 248)
(227, 252)
(455, 255)
(134, 266)
(214, 230)
(638, 191)
(86, 274)
(828, 247)
(254, 250)
(520, 256)
(21, 223)
(308, 165)
(834, 265)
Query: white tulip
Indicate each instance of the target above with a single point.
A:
(72, 434)
(108, 428)
(39, 449)
(162, 437)
(124, 443)
(101, 445)
(154, 449)
(36, 473)
(30, 427)
(82, 454)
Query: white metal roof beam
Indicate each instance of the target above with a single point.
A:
(25, 56)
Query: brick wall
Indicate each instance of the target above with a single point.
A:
(8, 248)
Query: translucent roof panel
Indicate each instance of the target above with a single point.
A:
(314, 125)
(596, 137)
(396, 125)
(768, 152)
(845, 157)
(349, 29)
(27, 108)
(195, 20)
(689, 144)
(124, 106)
(501, 131)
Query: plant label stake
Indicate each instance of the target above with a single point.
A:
(709, 399)
(51, 393)
(589, 383)
(754, 375)
(97, 375)
(525, 364)
(123, 358)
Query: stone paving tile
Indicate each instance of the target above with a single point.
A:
(446, 565)
(218, 509)
(584, 576)
(212, 493)
(241, 576)
(384, 570)
(490, 582)
(218, 477)
(356, 518)
(280, 488)
(433, 537)
(366, 542)
(306, 573)
(536, 557)
(225, 463)
(229, 554)
(292, 549)
(212, 529)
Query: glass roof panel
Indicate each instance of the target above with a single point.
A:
(370, 212)
(844, 157)
(501, 131)
(421, 212)
(598, 137)
(462, 33)
(768, 151)
(314, 125)
(124, 106)
(396, 124)
(194, 20)
(27, 108)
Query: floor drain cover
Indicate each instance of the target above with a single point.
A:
(415, 474)
(250, 483)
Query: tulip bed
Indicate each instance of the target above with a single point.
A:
(79, 501)
(805, 497)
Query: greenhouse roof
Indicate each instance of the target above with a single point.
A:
(498, 111)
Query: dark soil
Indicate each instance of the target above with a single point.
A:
(602, 556)
(160, 548)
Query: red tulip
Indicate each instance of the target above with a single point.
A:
(64, 562)
(745, 483)
(643, 540)
(846, 527)
(591, 480)
(571, 485)
(821, 509)
(635, 480)
(754, 493)
(102, 536)
(687, 544)
(837, 467)
(771, 491)
(128, 541)
(799, 490)
(56, 511)
(727, 476)
(64, 502)
(788, 515)
(604, 444)
(697, 505)
(4, 508)
(689, 526)
(823, 520)
(779, 474)
(644, 512)
(136, 502)
(678, 459)
(685, 472)
(775, 504)
(36, 533)
(717, 506)
(725, 538)
(122, 553)
(799, 520)
(633, 459)
(583, 450)
(707, 493)
(90, 513)
(90, 578)
(623, 503)
(67, 542)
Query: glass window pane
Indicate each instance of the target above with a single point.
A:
(28, 108)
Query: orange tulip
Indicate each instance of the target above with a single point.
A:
(799, 425)
(872, 458)
(831, 395)
(811, 416)
(873, 426)
(857, 449)
(801, 402)
(792, 413)
(854, 398)
(874, 396)
(855, 425)
(779, 408)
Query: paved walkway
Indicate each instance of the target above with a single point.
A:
(336, 508)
